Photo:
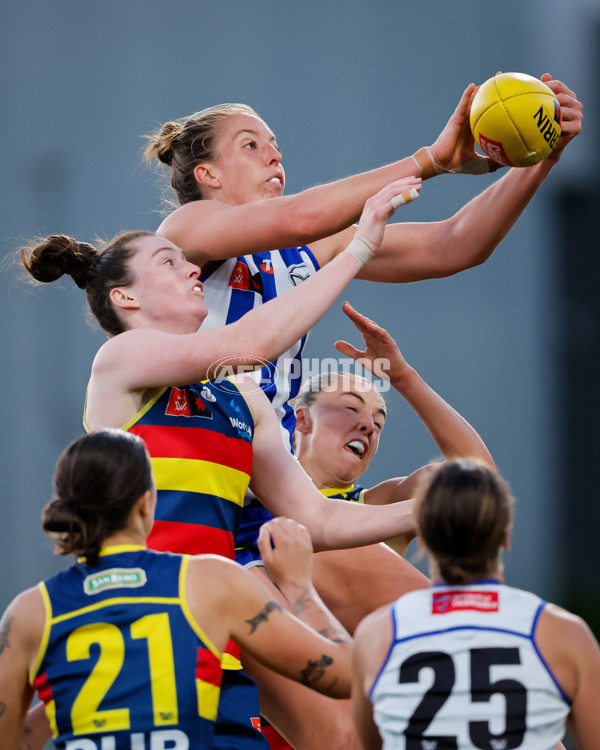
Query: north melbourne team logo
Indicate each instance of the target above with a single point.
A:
(298, 273)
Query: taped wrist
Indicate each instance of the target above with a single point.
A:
(426, 163)
(429, 167)
(361, 251)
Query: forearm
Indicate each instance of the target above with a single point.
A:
(328, 209)
(307, 605)
(275, 326)
(342, 525)
(413, 252)
(209, 230)
(451, 432)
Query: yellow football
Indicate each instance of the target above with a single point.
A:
(515, 119)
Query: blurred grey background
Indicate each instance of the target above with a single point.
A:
(346, 86)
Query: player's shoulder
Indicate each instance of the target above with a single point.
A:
(24, 617)
(561, 622)
(378, 620)
(179, 219)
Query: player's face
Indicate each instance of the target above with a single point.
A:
(166, 287)
(343, 432)
(248, 162)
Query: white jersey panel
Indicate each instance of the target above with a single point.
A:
(464, 672)
(234, 286)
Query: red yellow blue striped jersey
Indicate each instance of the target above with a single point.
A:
(199, 437)
(122, 662)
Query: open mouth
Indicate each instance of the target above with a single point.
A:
(357, 447)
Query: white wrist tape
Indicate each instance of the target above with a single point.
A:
(406, 197)
(361, 251)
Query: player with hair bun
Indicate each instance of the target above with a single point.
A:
(472, 662)
(254, 243)
(125, 646)
(233, 219)
(209, 439)
(340, 421)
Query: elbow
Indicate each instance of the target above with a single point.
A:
(452, 261)
(300, 223)
(306, 220)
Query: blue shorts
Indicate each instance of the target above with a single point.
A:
(238, 703)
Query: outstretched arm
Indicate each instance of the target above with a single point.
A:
(412, 252)
(453, 435)
(128, 364)
(210, 230)
(285, 489)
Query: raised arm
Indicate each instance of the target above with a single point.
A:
(210, 230)
(128, 363)
(285, 489)
(411, 252)
(453, 435)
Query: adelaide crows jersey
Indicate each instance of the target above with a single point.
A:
(122, 664)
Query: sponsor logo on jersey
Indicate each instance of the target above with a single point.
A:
(241, 279)
(458, 601)
(240, 276)
(244, 430)
(267, 266)
(115, 578)
(298, 273)
(183, 403)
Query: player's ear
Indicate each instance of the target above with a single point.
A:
(506, 541)
(204, 174)
(303, 421)
(124, 298)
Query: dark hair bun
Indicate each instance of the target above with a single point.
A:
(57, 255)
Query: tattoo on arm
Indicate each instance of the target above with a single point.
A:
(302, 600)
(263, 615)
(5, 624)
(314, 670)
(335, 637)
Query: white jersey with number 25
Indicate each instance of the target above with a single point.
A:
(464, 672)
